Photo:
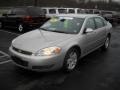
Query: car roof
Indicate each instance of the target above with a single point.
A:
(24, 7)
(78, 15)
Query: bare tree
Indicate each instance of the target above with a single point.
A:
(110, 1)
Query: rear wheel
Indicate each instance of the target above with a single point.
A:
(106, 44)
(70, 60)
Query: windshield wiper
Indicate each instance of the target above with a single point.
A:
(54, 31)
(60, 31)
(44, 29)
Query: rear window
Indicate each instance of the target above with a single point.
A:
(71, 11)
(52, 11)
(96, 12)
(62, 11)
(18, 11)
(45, 11)
(79, 11)
(90, 11)
(33, 11)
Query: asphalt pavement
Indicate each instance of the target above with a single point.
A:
(97, 71)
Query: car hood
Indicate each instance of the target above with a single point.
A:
(36, 40)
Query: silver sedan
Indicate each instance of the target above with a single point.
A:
(61, 42)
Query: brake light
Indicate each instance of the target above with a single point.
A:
(28, 18)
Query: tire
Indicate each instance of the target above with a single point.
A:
(106, 44)
(71, 60)
(20, 28)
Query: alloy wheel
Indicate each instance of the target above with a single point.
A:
(107, 42)
(72, 60)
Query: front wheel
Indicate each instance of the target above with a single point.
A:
(70, 60)
(106, 44)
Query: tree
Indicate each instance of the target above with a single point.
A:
(35, 2)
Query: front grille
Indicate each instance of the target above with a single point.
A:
(19, 61)
(42, 67)
(22, 51)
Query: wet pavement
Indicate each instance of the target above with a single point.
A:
(97, 71)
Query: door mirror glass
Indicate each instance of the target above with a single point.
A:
(108, 23)
(88, 30)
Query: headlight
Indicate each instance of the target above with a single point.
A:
(48, 51)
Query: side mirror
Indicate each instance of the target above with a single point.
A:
(89, 30)
(109, 24)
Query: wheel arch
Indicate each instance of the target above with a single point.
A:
(77, 48)
(79, 53)
(109, 35)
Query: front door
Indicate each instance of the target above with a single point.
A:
(89, 39)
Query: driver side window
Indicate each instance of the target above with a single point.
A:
(90, 24)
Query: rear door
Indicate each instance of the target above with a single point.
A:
(6, 19)
(100, 30)
(16, 16)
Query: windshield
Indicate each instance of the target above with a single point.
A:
(64, 25)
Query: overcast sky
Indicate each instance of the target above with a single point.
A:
(117, 0)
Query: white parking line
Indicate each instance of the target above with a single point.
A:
(4, 54)
(5, 62)
(9, 32)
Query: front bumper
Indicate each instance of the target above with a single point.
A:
(37, 63)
